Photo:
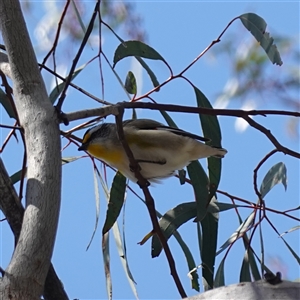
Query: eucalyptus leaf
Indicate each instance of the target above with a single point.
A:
(257, 26)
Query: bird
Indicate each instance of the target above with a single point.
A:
(160, 150)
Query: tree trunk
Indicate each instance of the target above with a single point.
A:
(25, 276)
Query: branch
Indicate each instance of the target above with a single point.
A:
(272, 138)
(143, 183)
(107, 110)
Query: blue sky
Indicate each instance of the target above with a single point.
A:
(179, 31)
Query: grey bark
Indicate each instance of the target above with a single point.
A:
(26, 273)
(14, 211)
(257, 290)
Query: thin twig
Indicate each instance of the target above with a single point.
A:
(256, 170)
(271, 137)
(76, 59)
(52, 50)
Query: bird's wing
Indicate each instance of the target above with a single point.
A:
(148, 124)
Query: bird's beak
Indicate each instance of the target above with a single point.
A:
(82, 147)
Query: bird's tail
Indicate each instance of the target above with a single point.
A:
(220, 152)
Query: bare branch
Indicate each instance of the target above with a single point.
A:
(105, 111)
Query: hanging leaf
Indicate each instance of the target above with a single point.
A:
(238, 233)
(58, 89)
(116, 201)
(149, 71)
(291, 230)
(6, 104)
(67, 160)
(277, 174)
(200, 182)
(257, 26)
(245, 269)
(171, 221)
(106, 260)
(211, 129)
(220, 276)
(97, 200)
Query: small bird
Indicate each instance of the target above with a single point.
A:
(160, 150)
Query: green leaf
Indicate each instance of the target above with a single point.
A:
(106, 260)
(245, 269)
(149, 71)
(116, 201)
(209, 222)
(97, 200)
(6, 104)
(17, 176)
(138, 50)
(292, 251)
(123, 257)
(130, 83)
(291, 230)
(238, 233)
(253, 264)
(251, 258)
(58, 89)
(171, 221)
(216, 207)
(257, 26)
(200, 182)
(67, 160)
(168, 119)
(220, 277)
(135, 48)
(211, 129)
(209, 227)
(277, 174)
(190, 261)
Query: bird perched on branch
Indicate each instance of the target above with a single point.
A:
(160, 150)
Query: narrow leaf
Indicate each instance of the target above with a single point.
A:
(17, 176)
(291, 230)
(116, 201)
(171, 221)
(251, 258)
(238, 233)
(97, 201)
(211, 129)
(209, 227)
(292, 251)
(190, 261)
(106, 260)
(66, 160)
(149, 71)
(277, 174)
(58, 89)
(200, 183)
(245, 269)
(220, 277)
(257, 26)
(6, 104)
(123, 258)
